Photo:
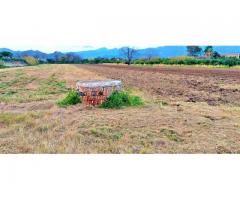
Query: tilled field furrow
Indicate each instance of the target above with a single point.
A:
(214, 86)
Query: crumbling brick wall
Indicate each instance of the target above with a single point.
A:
(96, 92)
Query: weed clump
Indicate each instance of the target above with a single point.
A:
(72, 98)
(171, 135)
(1, 64)
(107, 133)
(119, 99)
(9, 119)
(31, 60)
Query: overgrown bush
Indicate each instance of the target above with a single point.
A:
(30, 60)
(72, 98)
(1, 63)
(119, 99)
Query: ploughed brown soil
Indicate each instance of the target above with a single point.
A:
(214, 86)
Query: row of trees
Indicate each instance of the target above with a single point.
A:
(6, 54)
(189, 61)
(129, 55)
(126, 55)
(197, 51)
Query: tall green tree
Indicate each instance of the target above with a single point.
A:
(209, 52)
(194, 50)
(208, 49)
(6, 54)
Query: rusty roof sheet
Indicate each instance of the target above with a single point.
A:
(99, 83)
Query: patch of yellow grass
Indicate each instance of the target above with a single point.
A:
(42, 82)
(8, 119)
(67, 72)
(230, 86)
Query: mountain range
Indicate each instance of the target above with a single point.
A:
(163, 52)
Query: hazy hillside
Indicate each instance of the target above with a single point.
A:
(164, 51)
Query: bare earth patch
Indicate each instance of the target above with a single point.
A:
(187, 84)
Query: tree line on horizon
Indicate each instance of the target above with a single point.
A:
(197, 51)
(129, 55)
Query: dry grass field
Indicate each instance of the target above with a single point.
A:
(194, 111)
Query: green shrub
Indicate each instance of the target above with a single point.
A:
(171, 135)
(119, 99)
(72, 98)
(1, 63)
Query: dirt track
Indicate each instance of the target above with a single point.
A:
(214, 86)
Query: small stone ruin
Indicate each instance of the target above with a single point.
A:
(95, 92)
